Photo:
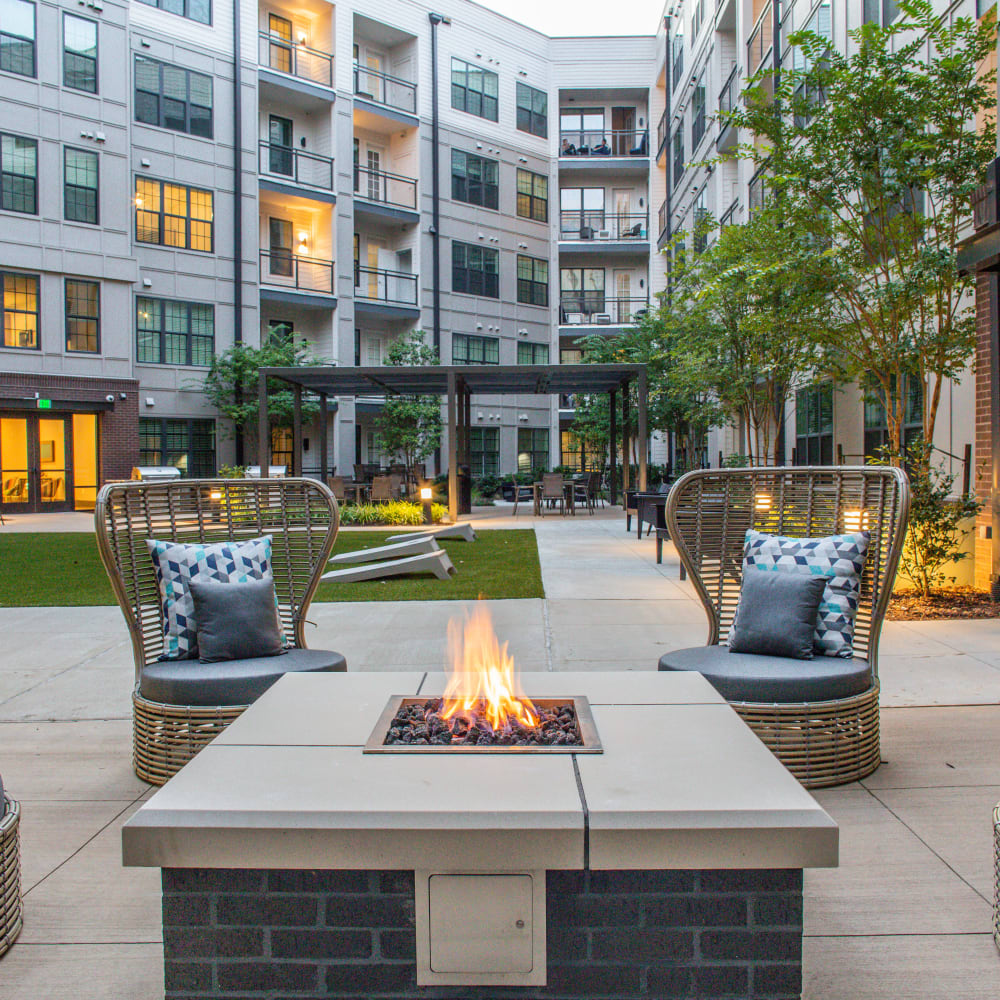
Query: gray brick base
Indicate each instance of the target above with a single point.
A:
(628, 935)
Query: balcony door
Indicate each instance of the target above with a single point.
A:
(374, 161)
(623, 295)
(280, 233)
(623, 127)
(282, 156)
(280, 31)
(35, 463)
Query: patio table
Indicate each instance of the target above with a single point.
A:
(569, 487)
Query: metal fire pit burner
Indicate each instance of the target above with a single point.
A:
(591, 742)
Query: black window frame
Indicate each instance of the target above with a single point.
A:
(4, 174)
(460, 92)
(67, 187)
(195, 468)
(161, 333)
(162, 214)
(72, 318)
(582, 299)
(698, 100)
(539, 353)
(32, 41)
(875, 422)
(71, 54)
(469, 277)
(677, 160)
(160, 98)
(478, 451)
(529, 201)
(475, 190)
(36, 312)
(168, 6)
(814, 425)
(535, 122)
(488, 349)
(539, 456)
(533, 291)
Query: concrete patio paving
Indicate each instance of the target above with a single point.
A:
(906, 915)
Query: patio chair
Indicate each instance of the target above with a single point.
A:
(523, 493)
(181, 705)
(336, 484)
(819, 717)
(381, 489)
(10, 871)
(586, 491)
(553, 492)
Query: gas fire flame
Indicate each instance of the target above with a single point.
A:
(482, 685)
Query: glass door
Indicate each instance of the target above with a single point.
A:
(53, 464)
(280, 239)
(35, 463)
(280, 146)
(15, 492)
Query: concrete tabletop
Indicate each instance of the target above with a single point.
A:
(682, 783)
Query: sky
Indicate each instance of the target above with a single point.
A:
(583, 17)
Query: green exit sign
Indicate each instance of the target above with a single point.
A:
(44, 404)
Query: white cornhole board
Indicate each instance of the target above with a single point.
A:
(413, 546)
(463, 531)
(437, 563)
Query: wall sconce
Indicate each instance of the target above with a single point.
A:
(762, 502)
(302, 41)
(642, 282)
(303, 242)
(642, 201)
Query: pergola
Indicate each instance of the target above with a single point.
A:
(459, 383)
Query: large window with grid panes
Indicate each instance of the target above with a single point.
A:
(188, 445)
(532, 354)
(814, 425)
(193, 10)
(475, 270)
(484, 451)
(83, 316)
(532, 196)
(532, 110)
(877, 424)
(20, 310)
(532, 281)
(474, 90)
(470, 349)
(475, 179)
(173, 215)
(174, 333)
(173, 97)
(17, 37)
(532, 448)
(18, 174)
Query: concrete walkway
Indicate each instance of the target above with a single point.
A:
(906, 915)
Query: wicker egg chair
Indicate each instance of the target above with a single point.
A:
(10, 871)
(302, 518)
(822, 742)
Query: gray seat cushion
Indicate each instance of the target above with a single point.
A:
(753, 677)
(231, 682)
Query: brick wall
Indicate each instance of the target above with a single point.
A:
(119, 426)
(632, 935)
(984, 444)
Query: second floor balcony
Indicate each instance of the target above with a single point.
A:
(384, 189)
(604, 142)
(284, 269)
(382, 88)
(295, 59)
(603, 227)
(291, 167)
(384, 291)
(595, 308)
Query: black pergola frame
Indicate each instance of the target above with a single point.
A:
(458, 384)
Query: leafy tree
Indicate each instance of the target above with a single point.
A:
(232, 382)
(872, 157)
(410, 426)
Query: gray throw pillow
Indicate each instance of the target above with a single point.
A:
(776, 614)
(236, 620)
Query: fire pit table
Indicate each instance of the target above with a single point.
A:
(666, 864)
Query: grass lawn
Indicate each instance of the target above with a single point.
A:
(61, 569)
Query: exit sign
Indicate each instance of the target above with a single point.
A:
(44, 404)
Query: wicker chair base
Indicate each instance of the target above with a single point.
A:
(166, 737)
(10, 875)
(996, 876)
(821, 743)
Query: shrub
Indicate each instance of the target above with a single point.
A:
(486, 486)
(232, 472)
(396, 512)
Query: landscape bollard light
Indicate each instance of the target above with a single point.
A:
(426, 493)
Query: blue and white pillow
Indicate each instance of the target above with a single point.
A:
(840, 557)
(177, 564)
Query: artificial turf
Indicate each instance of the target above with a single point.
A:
(63, 569)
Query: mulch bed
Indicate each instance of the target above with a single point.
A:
(956, 602)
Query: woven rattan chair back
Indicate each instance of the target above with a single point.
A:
(710, 510)
(300, 515)
(10, 872)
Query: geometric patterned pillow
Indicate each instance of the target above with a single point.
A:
(840, 557)
(176, 565)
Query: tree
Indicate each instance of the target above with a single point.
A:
(873, 158)
(410, 426)
(232, 384)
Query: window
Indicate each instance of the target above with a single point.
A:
(581, 212)
(532, 281)
(474, 179)
(983, 7)
(20, 311)
(532, 354)
(188, 445)
(471, 350)
(819, 24)
(887, 10)
(484, 451)
(17, 37)
(814, 425)
(678, 154)
(532, 196)
(282, 331)
(697, 18)
(698, 113)
(193, 10)
(174, 98)
(532, 110)
(18, 174)
(581, 292)
(173, 215)
(877, 425)
(757, 191)
(474, 90)
(79, 53)
(174, 333)
(80, 186)
(677, 57)
(580, 131)
(475, 270)
(532, 448)
(699, 233)
(83, 316)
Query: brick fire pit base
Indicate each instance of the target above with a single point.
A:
(255, 933)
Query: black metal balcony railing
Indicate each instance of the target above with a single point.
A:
(599, 225)
(985, 198)
(285, 269)
(604, 142)
(761, 40)
(598, 309)
(730, 94)
(385, 188)
(295, 59)
(392, 287)
(296, 166)
(382, 88)
(661, 131)
(662, 218)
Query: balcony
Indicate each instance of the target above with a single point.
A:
(761, 41)
(729, 216)
(289, 170)
(390, 294)
(594, 309)
(662, 219)
(386, 92)
(384, 194)
(290, 277)
(600, 232)
(604, 142)
(662, 134)
(729, 98)
(296, 67)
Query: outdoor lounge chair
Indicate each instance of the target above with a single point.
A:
(10, 871)
(181, 705)
(819, 717)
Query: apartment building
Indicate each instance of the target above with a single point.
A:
(181, 175)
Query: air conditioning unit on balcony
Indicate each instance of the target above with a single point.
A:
(602, 319)
(574, 319)
(604, 234)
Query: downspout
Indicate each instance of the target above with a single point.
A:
(668, 153)
(237, 197)
(779, 445)
(435, 20)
